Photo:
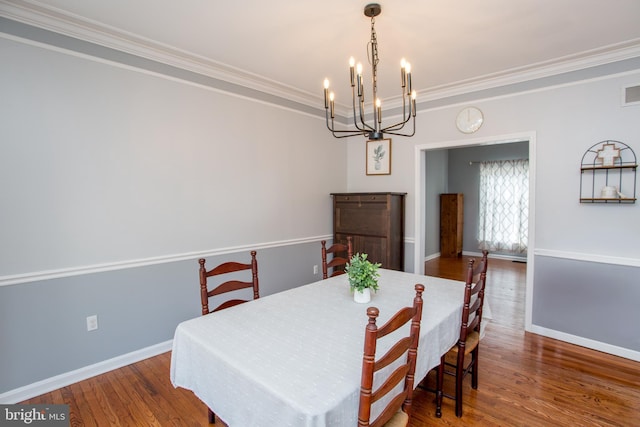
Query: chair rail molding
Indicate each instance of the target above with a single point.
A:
(577, 256)
(143, 262)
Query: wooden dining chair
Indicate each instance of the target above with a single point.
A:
(341, 254)
(223, 286)
(454, 361)
(398, 409)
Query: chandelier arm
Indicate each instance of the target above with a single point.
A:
(394, 132)
(398, 125)
(327, 121)
(340, 133)
(348, 133)
(365, 127)
(402, 134)
(405, 117)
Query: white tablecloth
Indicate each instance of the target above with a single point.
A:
(294, 358)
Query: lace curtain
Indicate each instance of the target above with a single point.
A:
(504, 206)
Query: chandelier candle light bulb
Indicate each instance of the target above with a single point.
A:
(331, 105)
(374, 131)
(413, 103)
(352, 63)
(360, 91)
(326, 92)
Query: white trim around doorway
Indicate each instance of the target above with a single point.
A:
(420, 177)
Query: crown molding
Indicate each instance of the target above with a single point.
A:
(52, 19)
(46, 17)
(541, 70)
(538, 71)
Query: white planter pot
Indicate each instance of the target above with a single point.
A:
(362, 297)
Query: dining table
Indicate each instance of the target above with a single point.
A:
(294, 358)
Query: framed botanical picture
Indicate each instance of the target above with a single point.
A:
(379, 157)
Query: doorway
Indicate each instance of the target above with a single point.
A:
(423, 210)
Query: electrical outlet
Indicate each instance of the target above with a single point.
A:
(92, 322)
(315, 269)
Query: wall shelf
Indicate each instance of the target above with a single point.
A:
(608, 167)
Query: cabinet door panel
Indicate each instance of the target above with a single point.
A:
(374, 247)
(366, 218)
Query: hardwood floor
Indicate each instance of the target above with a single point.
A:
(525, 379)
(505, 291)
(529, 380)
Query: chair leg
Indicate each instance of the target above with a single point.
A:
(459, 378)
(474, 369)
(212, 416)
(439, 385)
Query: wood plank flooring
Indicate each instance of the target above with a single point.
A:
(505, 285)
(525, 379)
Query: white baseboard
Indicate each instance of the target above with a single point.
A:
(496, 256)
(63, 380)
(588, 343)
(432, 256)
(479, 255)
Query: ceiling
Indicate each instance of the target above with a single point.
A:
(290, 46)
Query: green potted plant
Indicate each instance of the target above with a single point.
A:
(363, 276)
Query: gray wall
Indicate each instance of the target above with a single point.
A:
(116, 176)
(42, 324)
(436, 183)
(595, 300)
(99, 162)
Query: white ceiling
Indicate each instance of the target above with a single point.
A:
(295, 44)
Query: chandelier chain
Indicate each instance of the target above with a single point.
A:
(373, 57)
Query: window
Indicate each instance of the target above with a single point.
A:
(504, 206)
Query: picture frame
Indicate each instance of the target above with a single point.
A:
(378, 157)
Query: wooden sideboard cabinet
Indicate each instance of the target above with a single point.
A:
(451, 222)
(376, 223)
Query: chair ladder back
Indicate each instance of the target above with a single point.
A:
(337, 260)
(229, 285)
(389, 411)
(407, 344)
(398, 349)
(399, 374)
(475, 308)
(477, 290)
(227, 267)
(466, 305)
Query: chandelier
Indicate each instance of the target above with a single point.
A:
(374, 130)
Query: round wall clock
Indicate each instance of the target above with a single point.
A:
(469, 120)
